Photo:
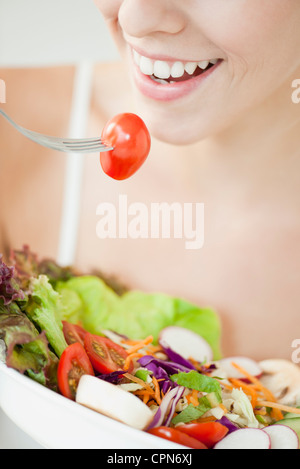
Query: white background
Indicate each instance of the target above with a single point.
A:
(52, 32)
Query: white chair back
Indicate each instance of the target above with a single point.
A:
(36, 33)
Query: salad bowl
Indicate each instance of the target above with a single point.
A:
(78, 369)
(59, 423)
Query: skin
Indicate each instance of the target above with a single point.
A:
(235, 148)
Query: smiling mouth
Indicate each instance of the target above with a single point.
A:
(166, 73)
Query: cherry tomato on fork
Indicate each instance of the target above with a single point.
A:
(73, 364)
(105, 355)
(130, 138)
(176, 436)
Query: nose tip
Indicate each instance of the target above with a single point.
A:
(140, 18)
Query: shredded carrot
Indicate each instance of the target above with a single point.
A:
(196, 364)
(144, 394)
(226, 385)
(157, 390)
(276, 414)
(153, 349)
(152, 402)
(205, 419)
(195, 397)
(255, 381)
(130, 342)
(146, 398)
(223, 408)
(140, 345)
(247, 389)
(192, 398)
(139, 381)
(283, 408)
(130, 358)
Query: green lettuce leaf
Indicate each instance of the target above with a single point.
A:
(89, 301)
(195, 380)
(43, 310)
(27, 351)
(191, 413)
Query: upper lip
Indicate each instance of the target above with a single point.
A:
(170, 59)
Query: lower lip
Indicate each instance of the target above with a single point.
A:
(170, 92)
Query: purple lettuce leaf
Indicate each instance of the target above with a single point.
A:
(9, 286)
(27, 265)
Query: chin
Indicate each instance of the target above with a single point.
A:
(177, 129)
(173, 135)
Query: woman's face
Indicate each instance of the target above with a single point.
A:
(198, 66)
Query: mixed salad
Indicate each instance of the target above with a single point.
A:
(147, 360)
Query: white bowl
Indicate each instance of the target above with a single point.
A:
(59, 423)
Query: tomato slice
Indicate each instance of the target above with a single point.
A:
(208, 433)
(105, 355)
(172, 434)
(73, 333)
(73, 364)
(130, 138)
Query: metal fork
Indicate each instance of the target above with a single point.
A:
(67, 145)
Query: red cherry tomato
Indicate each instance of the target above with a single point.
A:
(209, 433)
(73, 364)
(130, 138)
(176, 436)
(105, 356)
(73, 333)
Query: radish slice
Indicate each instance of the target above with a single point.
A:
(185, 343)
(110, 400)
(247, 364)
(245, 438)
(282, 437)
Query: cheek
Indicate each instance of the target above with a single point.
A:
(254, 32)
(109, 8)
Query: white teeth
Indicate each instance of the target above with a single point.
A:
(190, 67)
(177, 70)
(203, 64)
(162, 70)
(146, 66)
(136, 57)
(161, 82)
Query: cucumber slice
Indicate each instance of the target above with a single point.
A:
(293, 423)
(214, 399)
